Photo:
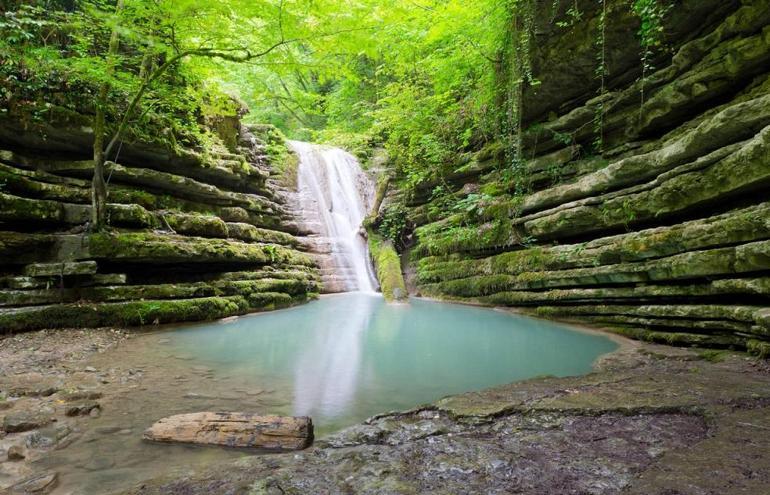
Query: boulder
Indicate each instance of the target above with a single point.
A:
(16, 453)
(234, 429)
(18, 422)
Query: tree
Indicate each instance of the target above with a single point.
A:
(228, 52)
(141, 66)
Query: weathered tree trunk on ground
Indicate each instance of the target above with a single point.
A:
(234, 429)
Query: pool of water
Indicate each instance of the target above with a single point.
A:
(339, 360)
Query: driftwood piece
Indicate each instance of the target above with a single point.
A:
(234, 429)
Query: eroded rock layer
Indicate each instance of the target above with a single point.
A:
(647, 206)
(192, 236)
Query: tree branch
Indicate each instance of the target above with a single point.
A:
(236, 55)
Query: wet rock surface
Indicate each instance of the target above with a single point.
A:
(41, 483)
(650, 420)
(43, 378)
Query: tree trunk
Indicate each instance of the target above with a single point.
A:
(234, 429)
(99, 186)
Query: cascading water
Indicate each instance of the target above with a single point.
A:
(336, 194)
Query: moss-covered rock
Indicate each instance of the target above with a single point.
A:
(146, 247)
(195, 225)
(18, 209)
(737, 226)
(250, 233)
(131, 313)
(60, 269)
(387, 264)
(734, 124)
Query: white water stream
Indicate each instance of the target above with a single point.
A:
(333, 188)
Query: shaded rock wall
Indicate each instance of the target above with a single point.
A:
(194, 235)
(664, 232)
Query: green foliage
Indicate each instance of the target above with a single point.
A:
(574, 15)
(651, 31)
(53, 55)
(394, 224)
(53, 59)
(652, 13)
(419, 81)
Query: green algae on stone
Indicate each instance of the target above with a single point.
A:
(387, 264)
(132, 313)
(155, 248)
(195, 224)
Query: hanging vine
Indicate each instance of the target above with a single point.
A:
(518, 55)
(601, 74)
(651, 34)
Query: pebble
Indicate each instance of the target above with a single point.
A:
(16, 453)
(82, 408)
(89, 369)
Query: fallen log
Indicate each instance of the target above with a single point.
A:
(234, 429)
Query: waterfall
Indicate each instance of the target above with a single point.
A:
(336, 194)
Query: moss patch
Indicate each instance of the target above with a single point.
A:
(388, 267)
(156, 248)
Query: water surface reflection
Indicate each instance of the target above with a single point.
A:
(349, 356)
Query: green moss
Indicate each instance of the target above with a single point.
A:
(250, 233)
(199, 225)
(131, 313)
(388, 267)
(156, 248)
(681, 339)
(306, 274)
(268, 301)
(759, 348)
(18, 209)
(713, 356)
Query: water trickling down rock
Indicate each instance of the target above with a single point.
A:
(334, 196)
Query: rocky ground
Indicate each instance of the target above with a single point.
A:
(650, 420)
(47, 397)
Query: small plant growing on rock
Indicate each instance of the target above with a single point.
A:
(394, 224)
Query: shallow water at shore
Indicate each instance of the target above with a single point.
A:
(339, 360)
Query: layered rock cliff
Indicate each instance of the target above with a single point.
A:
(193, 235)
(647, 205)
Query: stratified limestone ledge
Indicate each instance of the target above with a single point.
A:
(661, 233)
(187, 239)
